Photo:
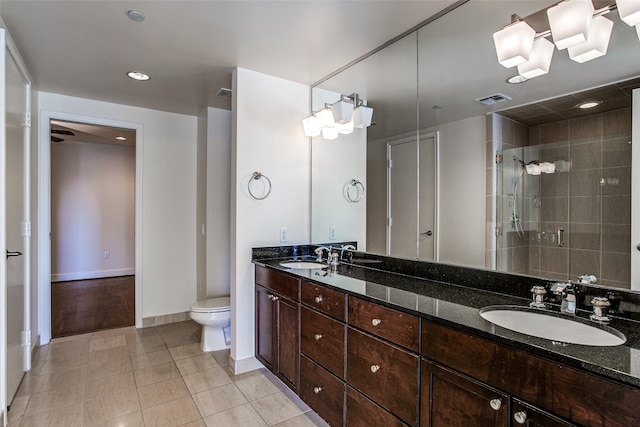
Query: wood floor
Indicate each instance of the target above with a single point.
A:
(82, 306)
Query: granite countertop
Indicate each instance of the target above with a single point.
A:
(457, 305)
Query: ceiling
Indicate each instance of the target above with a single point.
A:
(189, 48)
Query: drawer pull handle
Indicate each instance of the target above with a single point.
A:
(318, 337)
(376, 322)
(273, 298)
(520, 417)
(496, 404)
(375, 368)
(318, 299)
(317, 390)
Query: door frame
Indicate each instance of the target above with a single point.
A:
(44, 212)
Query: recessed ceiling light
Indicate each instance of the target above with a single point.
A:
(135, 15)
(589, 104)
(514, 80)
(137, 75)
(121, 138)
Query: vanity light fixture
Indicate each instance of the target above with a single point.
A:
(341, 117)
(514, 43)
(573, 25)
(138, 75)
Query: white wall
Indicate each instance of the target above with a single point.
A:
(218, 201)
(92, 210)
(168, 197)
(267, 137)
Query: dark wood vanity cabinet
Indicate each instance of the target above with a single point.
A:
(277, 324)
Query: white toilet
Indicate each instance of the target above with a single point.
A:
(214, 315)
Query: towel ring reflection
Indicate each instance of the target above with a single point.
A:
(348, 190)
(257, 176)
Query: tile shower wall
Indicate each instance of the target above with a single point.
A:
(592, 202)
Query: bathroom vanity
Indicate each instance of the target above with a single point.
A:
(372, 345)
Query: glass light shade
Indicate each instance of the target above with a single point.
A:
(342, 111)
(329, 133)
(362, 116)
(325, 118)
(514, 43)
(638, 31)
(597, 42)
(346, 128)
(629, 11)
(540, 60)
(310, 125)
(570, 22)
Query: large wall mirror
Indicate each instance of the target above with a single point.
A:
(451, 201)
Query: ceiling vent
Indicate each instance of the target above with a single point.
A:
(224, 92)
(493, 99)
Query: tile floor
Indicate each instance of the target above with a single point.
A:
(149, 377)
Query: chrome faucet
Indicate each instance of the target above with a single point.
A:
(319, 250)
(567, 291)
(347, 248)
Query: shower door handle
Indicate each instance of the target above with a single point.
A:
(561, 237)
(13, 253)
(427, 233)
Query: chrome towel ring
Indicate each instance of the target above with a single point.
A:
(353, 191)
(257, 176)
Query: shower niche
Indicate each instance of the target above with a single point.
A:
(563, 197)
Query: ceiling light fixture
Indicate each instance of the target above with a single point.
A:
(572, 24)
(517, 79)
(341, 117)
(138, 75)
(121, 138)
(135, 15)
(590, 104)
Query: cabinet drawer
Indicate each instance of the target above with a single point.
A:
(323, 392)
(395, 326)
(322, 339)
(385, 373)
(326, 300)
(562, 390)
(362, 412)
(525, 414)
(279, 282)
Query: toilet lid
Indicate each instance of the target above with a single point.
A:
(212, 305)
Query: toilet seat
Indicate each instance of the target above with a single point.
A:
(212, 305)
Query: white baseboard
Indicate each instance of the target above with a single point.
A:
(244, 365)
(82, 275)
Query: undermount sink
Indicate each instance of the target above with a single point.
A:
(554, 326)
(303, 265)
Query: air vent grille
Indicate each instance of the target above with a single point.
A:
(224, 92)
(493, 99)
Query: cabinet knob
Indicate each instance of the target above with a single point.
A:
(318, 299)
(376, 322)
(273, 298)
(496, 404)
(317, 390)
(520, 417)
(375, 368)
(318, 337)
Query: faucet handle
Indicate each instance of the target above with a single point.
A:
(587, 279)
(538, 296)
(600, 307)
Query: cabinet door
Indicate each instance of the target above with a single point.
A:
(524, 414)
(449, 399)
(265, 330)
(287, 348)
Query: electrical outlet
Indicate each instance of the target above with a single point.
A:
(107, 255)
(283, 234)
(332, 233)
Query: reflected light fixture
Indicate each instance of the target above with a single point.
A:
(341, 117)
(514, 43)
(572, 24)
(121, 138)
(138, 75)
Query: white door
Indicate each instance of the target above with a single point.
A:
(412, 198)
(635, 192)
(16, 203)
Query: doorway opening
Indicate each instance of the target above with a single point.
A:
(93, 197)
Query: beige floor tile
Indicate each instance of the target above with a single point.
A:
(146, 345)
(186, 351)
(105, 333)
(308, 419)
(66, 348)
(55, 399)
(54, 365)
(70, 416)
(255, 385)
(156, 374)
(106, 355)
(112, 367)
(195, 364)
(206, 380)
(174, 413)
(18, 406)
(133, 419)
(97, 344)
(221, 356)
(166, 391)
(27, 384)
(150, 359)
(109, 384)
(199, 423)
(111, 406)
(60, 380)
(219, 399)
(240, 416)
(275, 408)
